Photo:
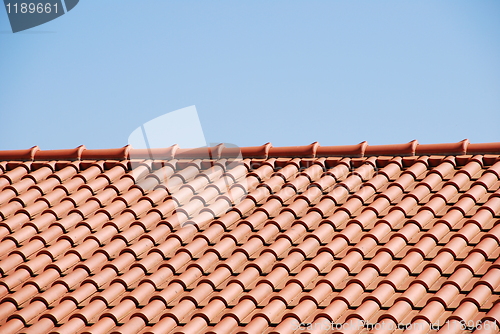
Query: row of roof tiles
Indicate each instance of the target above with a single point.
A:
(265, 151)
(406, 243)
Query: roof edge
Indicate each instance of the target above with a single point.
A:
(314, 150)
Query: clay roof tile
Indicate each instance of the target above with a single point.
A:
(253, 238)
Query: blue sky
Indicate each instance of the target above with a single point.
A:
(286, 72)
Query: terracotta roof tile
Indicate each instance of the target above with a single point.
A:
(253, 240)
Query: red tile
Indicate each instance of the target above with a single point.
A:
(347, 150)
(318, 233)
(13, 326)
(399, 149)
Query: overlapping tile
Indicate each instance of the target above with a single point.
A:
(282, 240)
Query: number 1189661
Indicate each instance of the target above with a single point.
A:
(31, 8)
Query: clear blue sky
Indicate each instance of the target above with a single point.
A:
(288, 72)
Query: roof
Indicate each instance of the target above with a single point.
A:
(251, 240)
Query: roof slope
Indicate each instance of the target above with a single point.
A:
(251, 240)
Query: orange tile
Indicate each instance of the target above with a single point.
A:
(186, 243)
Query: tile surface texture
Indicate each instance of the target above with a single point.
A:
(308, 239)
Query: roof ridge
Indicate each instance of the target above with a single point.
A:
(314, 150)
